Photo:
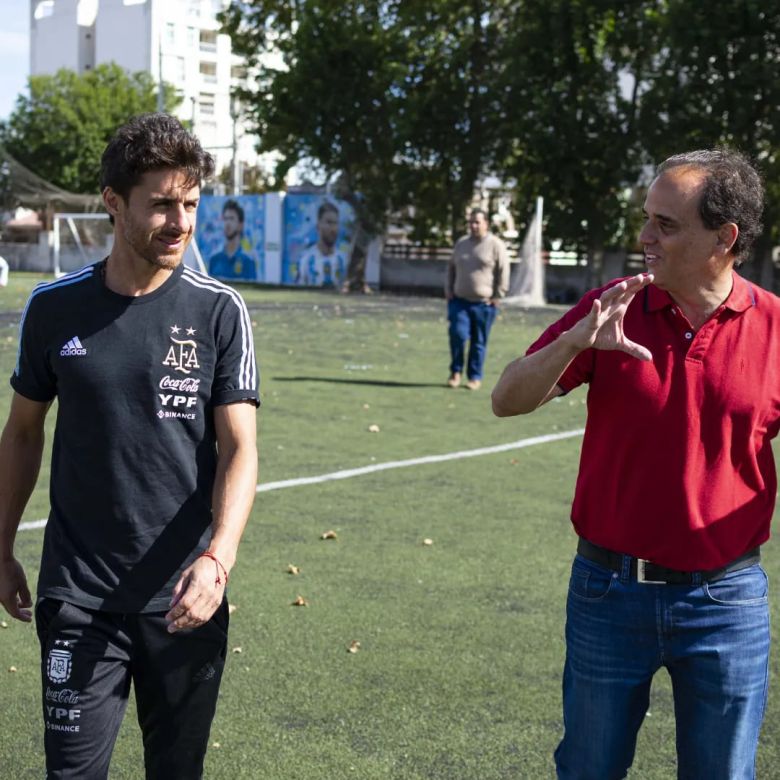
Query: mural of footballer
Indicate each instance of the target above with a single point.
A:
(322, 265)
(232, 262)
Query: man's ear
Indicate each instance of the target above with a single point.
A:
(727, 236)
(111, 201)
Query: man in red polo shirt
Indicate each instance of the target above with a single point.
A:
(677, 482)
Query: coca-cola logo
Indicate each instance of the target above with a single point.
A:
(185, 385)
(65, 696)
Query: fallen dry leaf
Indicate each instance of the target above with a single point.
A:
(12, 669)
(366, 406)
(329, 535)
(300, 602)
(216, 745)
(238, 649)
(354, 646)
(293, 569)
(514, 461)
(373, 429)
(232, 608)
(3, 624)
(427, 542)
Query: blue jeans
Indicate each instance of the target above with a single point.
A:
(714, 641)
(469, 321)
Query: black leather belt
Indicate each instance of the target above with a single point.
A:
(653, 574)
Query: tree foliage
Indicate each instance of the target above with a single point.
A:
(715, 80)
(575, 100)
(61, 129)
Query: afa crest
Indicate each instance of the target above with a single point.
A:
(59, 665)
(182, 354)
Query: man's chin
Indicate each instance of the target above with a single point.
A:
(165, 262)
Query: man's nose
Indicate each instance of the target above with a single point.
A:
(179, 217)
(646, 234)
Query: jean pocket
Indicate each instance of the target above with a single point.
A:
(741, 588)
(590, 582)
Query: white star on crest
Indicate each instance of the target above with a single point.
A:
(190, 331)
(175, 329)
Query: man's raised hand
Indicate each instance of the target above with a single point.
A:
(602, 327)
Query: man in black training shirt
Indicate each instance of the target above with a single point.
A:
(153, 471)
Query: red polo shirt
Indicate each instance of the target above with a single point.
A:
(676, 464)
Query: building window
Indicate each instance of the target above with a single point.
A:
(238, 72)
(170, 33)
(208, 70)
(192, 37)
(193, 7)
(208, 40)
(206, 104)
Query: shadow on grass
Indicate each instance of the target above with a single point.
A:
(342, 381)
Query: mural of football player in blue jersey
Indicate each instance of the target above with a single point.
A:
(232, 262)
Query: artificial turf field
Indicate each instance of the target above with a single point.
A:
(457, 676)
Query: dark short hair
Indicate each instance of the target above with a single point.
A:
(474, 212)
(232, 205)
(732, 192)
(326, 206)
(152, 142)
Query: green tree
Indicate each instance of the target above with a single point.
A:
(393, 96)
(323, 76)
(570, 128)
(61, 129)
(716, 81)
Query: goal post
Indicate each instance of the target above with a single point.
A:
(81, 239)
(526, 285)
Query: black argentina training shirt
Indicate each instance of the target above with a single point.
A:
(134, 453)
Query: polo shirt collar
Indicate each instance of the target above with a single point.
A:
(740, 299)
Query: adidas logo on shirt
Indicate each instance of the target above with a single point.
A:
(73, 348)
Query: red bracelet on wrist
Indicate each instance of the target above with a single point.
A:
(217, 564)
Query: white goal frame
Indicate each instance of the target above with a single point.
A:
(192, 256)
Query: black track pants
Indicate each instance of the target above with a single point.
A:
(88, 659)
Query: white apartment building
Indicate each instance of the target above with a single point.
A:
(179, 38)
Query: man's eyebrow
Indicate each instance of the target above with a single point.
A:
(172, 199)
(661, 217)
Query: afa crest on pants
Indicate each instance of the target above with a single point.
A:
(59, 665)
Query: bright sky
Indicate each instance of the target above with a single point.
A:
(14, 52)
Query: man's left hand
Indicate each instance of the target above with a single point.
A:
(196, 595)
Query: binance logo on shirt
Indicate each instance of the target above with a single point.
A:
(182, 354)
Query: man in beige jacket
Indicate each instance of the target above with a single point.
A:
(477, 278)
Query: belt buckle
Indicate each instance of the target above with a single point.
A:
(641, 577)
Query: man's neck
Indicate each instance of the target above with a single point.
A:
(130, 275)
(700, 304)
(326, 249)
(232, 245)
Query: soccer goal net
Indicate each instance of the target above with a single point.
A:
(526, 285)
(80, 239)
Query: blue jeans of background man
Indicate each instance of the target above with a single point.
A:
(469, 321)
(714, 641)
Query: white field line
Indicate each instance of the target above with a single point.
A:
(393, 464)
